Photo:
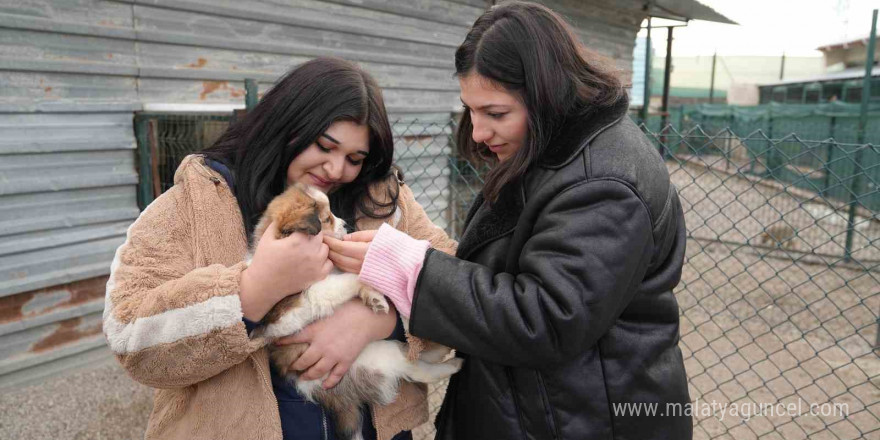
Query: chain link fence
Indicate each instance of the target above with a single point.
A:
(780, 292)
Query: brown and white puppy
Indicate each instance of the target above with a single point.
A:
(374, 376)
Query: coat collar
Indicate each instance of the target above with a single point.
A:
(578, 131)
(487, 222)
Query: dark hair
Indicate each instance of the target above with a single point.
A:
(532, 53)
(290, 117)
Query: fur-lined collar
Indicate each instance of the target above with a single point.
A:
(577, 132)
(488, 222)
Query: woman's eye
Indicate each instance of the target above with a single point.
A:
(355, 162)
(496, 115)
(322, 148)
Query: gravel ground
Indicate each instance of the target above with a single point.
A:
(98, 403)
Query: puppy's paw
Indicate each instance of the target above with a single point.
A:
(374, 300)
(434, 352)
(455, 362)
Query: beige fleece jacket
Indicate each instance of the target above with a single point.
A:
(173, 315)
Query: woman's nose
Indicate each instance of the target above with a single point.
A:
(481, 132)
(333, 167)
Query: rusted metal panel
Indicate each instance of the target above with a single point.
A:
(209, 30)
(608, 28)
(66, 196)
(90, 13)
(49, 325)
(457, 13)
(32, 89)
(324, 16)
(40, 339)
(51, 266)
(67, 52)
(47, 211)
(35, 303)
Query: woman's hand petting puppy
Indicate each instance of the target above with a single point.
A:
(348, 254)
(281, 267)
(336, 341)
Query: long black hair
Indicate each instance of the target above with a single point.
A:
(532, 53)
(290, 117)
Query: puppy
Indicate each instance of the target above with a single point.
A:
(375, 374)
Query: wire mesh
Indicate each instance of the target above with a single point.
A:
(780, 295)
(780, 291)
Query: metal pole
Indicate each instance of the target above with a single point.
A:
(782, 67)
(250, 97)
(647, 101)
(712, 81)
(856, 182)
(145, 168)
(667, 72)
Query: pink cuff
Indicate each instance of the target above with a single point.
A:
(392, 266)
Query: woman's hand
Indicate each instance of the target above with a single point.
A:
(281, 267)
(348, 254)
(336, 341)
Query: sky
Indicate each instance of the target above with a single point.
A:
(769, 27)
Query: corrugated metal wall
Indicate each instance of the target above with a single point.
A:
(73, 72)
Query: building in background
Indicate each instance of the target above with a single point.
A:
(841, 80)
(736, 77)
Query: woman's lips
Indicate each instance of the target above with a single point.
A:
(496, 148)
(318, 181)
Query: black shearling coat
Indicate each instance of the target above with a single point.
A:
(560, 297)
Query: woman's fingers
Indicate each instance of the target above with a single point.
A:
(352, 249)
(307, 360)
(362, 236)
(318, 370)
(303, 336)
(346, 263)
(347, 255)
(336, 375)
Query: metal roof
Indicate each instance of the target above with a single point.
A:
(845, 44)
(685, 10)
(854, 73)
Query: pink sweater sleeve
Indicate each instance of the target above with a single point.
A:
(392, 266)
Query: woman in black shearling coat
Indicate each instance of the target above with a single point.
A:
(560, 297)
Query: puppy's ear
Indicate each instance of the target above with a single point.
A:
(307, 224)
(313, 225)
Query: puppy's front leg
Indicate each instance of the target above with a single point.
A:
(331, 292)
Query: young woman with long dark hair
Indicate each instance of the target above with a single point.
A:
(181, 300)
(560, 296)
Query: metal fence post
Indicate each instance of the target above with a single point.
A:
(829, 156)
(250, 97)
(643, 113)
(770, 148)
(856, 183)
(145, 160)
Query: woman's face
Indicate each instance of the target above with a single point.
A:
(334, 159)
(498, 117)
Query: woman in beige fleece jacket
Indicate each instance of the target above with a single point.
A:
(180, 299)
